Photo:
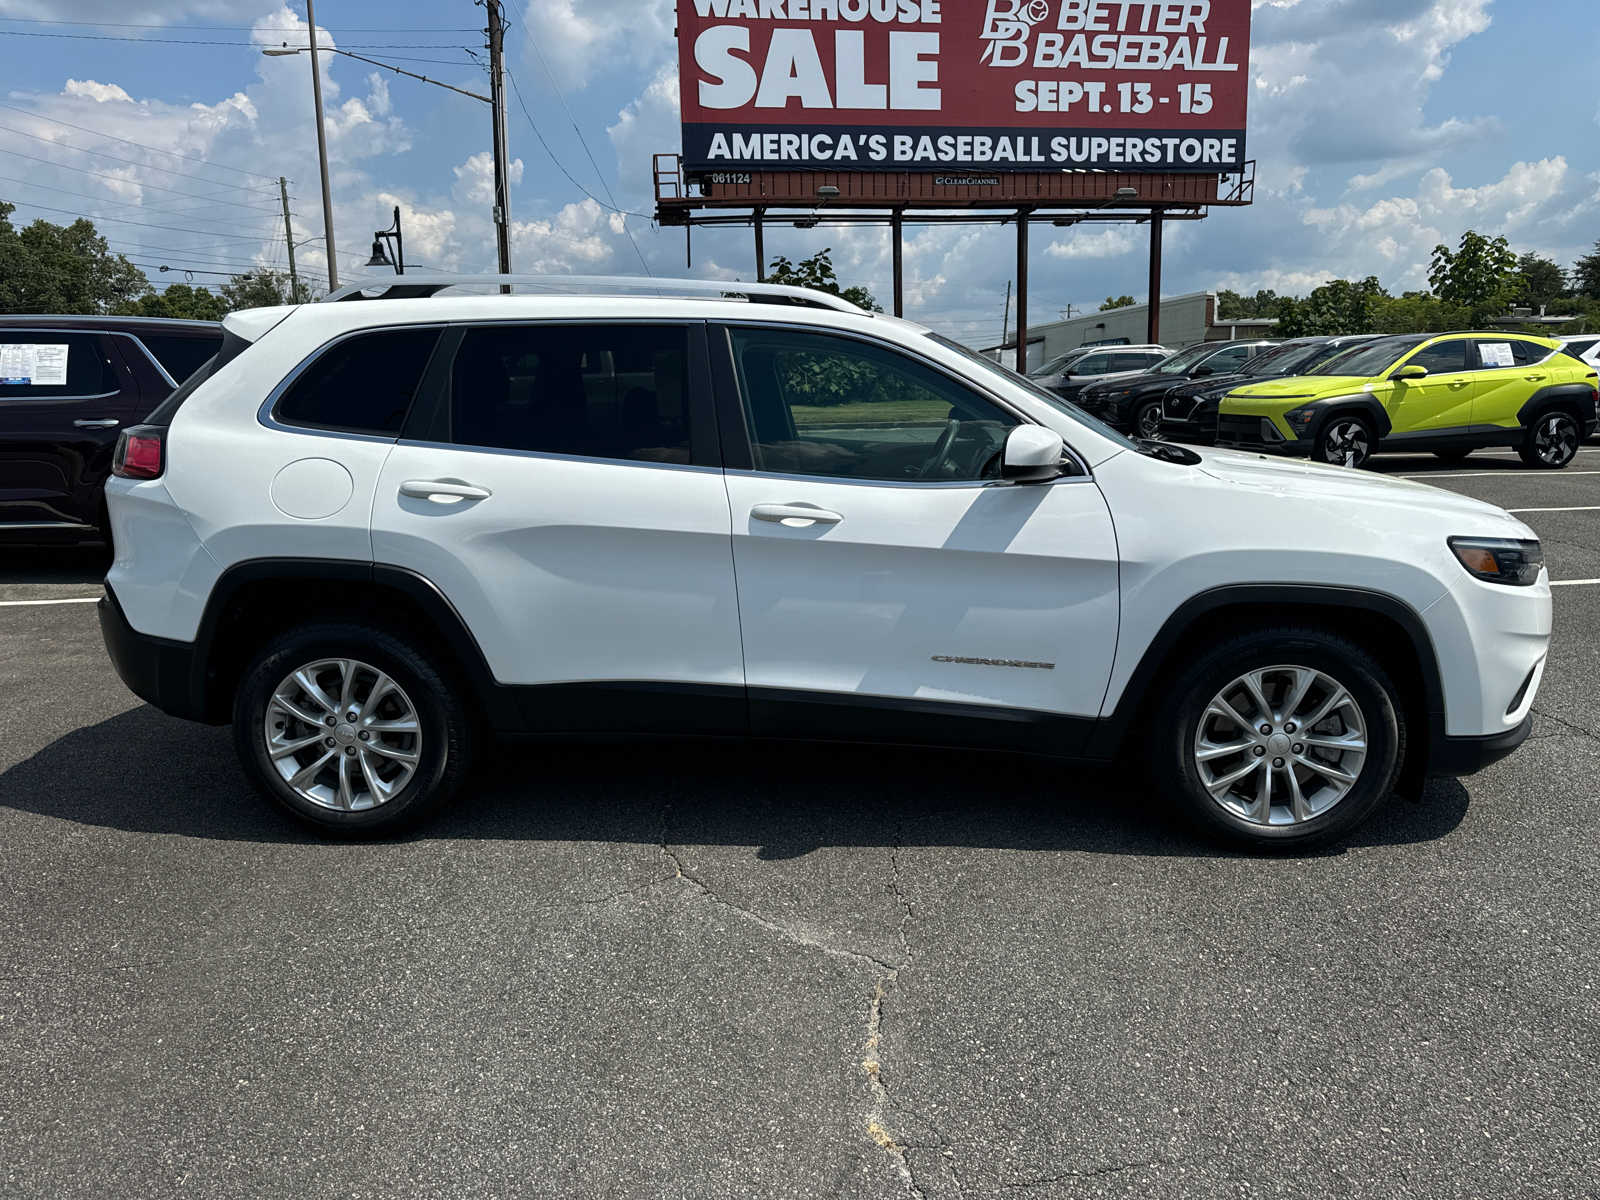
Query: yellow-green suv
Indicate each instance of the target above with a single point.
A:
(1448, 393)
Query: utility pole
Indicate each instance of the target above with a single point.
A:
(288, 237)
(322, 150)
(497, 103)
(1005, 319)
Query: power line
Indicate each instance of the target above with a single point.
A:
(132, 162)
(186, 212)
(137, 183)
(146, 224)
(239, 28)
(109, 37)
(128, 141)
(521, 103)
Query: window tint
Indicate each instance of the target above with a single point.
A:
(1442, 358)
(1580, 347)
(1153, 357)
(364, 384)
(599, 391)
(181, 357)
(1092, 364)
(820, 405)
(1372, 359)
(1128, 362)
(1226, 362)
(38, 364)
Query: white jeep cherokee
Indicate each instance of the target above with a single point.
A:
(370, 533)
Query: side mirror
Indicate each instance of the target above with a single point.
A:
(1032, 454)
(1410, 371)
(1201, 372)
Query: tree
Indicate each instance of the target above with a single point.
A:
(47, 268)
(1480, 275)
(1586, 274)
(1118, 302)
(1417, 312)
(1543, 282)
(1337, 307)
(817, 272)
(179, 300)
(1265, 303)
(262, 288)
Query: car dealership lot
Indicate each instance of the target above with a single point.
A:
(636, 969)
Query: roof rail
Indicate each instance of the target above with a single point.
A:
(406, 287)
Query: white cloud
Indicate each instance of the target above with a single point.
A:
(581, 38)
(95, 91)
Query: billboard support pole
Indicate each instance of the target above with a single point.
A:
(1153, 330)
(1022, 291)
(761, 249)
(896, 225)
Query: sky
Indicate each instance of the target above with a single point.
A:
(1380, 128)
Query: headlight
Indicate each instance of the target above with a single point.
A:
(1500, 560)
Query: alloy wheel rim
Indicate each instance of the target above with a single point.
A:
(1281, 745)
(1347, 444)
(342, 734)
(1556, 439)
(1150, 423)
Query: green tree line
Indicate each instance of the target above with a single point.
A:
(1480, 279)
(46, 268)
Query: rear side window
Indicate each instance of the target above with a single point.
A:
(1580, 347)
(364, 384)
(1092, 364)
(1512, 352)
(181, 357)
(1129, 362)
(1442, 358)
(38, 364)
(1227, 362)
(594, 391)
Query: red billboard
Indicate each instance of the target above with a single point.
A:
(963, 85)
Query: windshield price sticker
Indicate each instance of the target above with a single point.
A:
(33, 364)
(1495, 354)
(1007, 85)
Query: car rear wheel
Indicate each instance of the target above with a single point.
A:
(1279, 739)
(350, 730)
(1551, 441)
(1346, 440)
(1147, 421)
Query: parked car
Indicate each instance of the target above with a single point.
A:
(1189, 412)
(1087, 365)
(1584, 346)
(371, 535)
(68, 384)
(1133, 404)
(1449, 394)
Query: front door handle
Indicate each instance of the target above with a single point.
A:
(108, 423)
(442, 491)
(794, 512)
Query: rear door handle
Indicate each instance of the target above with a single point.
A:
(108, 423)
(794, 512)
(442, 491)
(1535, 378)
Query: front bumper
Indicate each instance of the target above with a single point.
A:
(1469, 755)
(1249, 433)
(157, 670)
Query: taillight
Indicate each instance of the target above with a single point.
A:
(139, 453)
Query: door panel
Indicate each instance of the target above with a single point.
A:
(1441, 400)
(1504, 387)
(61, 411)
(571, 530)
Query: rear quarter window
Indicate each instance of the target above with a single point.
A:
(181, 356)
(362, 384)
(38, 364)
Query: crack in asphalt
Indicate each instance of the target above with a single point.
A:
(1564, 723)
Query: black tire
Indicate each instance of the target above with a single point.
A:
(1178, 725)
(1453, 455)
(1147, 421)
(437, 713)
(1345, 440)
(1552, 441)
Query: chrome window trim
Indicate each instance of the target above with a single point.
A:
(154, 361)
(267, 414)
(469, 448)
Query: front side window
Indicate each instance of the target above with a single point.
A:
(363, 384)
(1441, 358)
(38, 365)
(1181, 362)
(592, 391)
(822, 405)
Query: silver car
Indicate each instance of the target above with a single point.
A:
(1077, 369)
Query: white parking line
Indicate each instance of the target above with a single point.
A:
(74, 600)
(1575, 508)
(1571, 582)
(1502, 474)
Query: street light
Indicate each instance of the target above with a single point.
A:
(379, 258)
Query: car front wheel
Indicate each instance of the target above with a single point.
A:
(1279, 739)
(1551, 441)
(350, 730)
(1147, 421)
(1345, 441)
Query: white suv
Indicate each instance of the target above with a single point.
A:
(370, 534)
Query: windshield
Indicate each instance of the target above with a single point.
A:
(1038, 393)
(1285, 360)
(1056, 365)
(1180, 362)
(1374, 358)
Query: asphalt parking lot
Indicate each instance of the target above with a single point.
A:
(698, 970)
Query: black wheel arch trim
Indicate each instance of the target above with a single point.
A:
(1111, 729)
(1327, 409)
(1559, 395)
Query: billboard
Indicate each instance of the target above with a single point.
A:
(963, 86)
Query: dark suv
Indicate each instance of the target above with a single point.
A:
(1189, 413)
(68, 384)
(1133, 403)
